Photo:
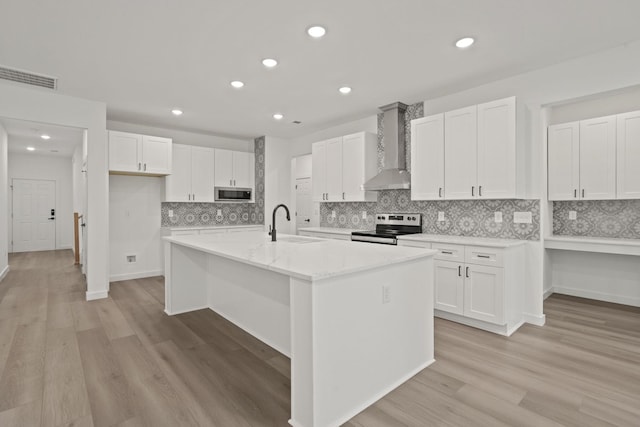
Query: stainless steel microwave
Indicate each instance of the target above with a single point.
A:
(232, 194)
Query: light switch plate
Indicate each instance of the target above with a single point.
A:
(219, 212)
(497, 216)
(522, 217)
(573, 215)
(333, 214)
(440, 216)
(364, 214)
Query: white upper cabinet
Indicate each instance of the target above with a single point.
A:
(193, 175)
(234, 169)
(427, 158)
(460, 153)
(628, 149)
(497, 174)
(582, 160)
(341, 165)
(135, 154)
(598, 158)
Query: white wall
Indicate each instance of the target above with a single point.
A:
(277, 182)
(184, 137)
(4, 208)
(39, 105)
(597, 106)
(58, 169)
(302, 145)
(134, 229)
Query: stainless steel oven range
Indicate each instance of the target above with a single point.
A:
(390, 226)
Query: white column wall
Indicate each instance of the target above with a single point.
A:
(277, 182)
(4, 208)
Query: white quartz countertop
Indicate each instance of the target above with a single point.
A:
(306, 258)
(206, 227)
(463, 240)
(594, 244)
(329, 230)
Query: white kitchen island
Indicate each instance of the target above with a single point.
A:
(356, 319)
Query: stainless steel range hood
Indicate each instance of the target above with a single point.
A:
(394, 174)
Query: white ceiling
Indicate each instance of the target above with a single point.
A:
(23, 134)
(145, 57)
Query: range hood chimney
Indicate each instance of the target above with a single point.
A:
(394, 174)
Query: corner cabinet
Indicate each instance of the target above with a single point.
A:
(340, 166)
(469, 153)
(234, 169)
(582, 160)
(134, 154)
(192, 179)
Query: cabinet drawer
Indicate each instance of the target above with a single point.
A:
(483, 256)
(448, 252)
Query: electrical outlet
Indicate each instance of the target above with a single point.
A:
(131, 259)
(386, 294)
(497, 216)
(219, 212)
(522, 217)
(170, 213)
(440, 216)
(573, 215)
(333, 214)
(364, 214)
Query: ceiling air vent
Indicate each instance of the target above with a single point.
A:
(28, 78)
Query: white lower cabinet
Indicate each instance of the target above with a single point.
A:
(448, 287)
(484, 293)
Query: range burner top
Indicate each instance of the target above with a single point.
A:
(388, 227)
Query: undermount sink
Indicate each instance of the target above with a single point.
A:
(295, 239)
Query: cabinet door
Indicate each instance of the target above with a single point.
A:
(124, 152)
(598, 158)
(178, 184)
(628, 149)
(497, 149)
(427, 158)
(202, 174)
(223, 168)
(156, 155)
(484, 293)
(563, 161)
(353, 167)
(242, 169)
(448, 286)
(334, 169)
(460, 154)
(319, 171)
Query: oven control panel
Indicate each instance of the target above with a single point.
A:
(399, 219)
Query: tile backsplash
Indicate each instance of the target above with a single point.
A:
(462, 217)
(206, 214)
(598, 218)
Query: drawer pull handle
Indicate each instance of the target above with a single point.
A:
(467, 272)
(459, 271)
(484, 256)
(447, 252)
(440, 192)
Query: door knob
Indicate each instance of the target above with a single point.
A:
(307, 220)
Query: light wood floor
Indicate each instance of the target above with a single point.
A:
(121, 361)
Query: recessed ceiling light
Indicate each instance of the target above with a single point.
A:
(45, 136)
(278, 116)
(237, 84)
(316, 31)
(345, 90)
(176, 112)
(30, 148)
(269, 62)
(465, 42)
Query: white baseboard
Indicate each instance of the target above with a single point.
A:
(97, 295)
(138, 275)
(600, 296)
(535, 319)
(547, 293)
(4, 273)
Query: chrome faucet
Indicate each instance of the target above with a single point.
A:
(272, 228)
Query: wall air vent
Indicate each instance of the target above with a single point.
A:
(28, 78)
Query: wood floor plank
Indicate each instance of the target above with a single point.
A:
(85, 315)
(59, 315)
(112, 320)
(65, 396)
(21, 416)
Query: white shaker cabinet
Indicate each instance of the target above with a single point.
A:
(193, 175)
(448, 287)
(460, 153)
(234, 169)
(484, 293)
(427, 158)
(628, 151)
(582, 160)
(341, 165)
(135, 154)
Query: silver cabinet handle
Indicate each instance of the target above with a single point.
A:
(230, 182)
(139, 165)
(440, 192)
(342, 196)
(234, 182)
(575, 193)
(473, 190)
(484, 256)
(194, 196)
(447, 252)
(145, 167)
(459, 271)
(189, 196)
(467, 272)
(480, 191)
(583, 193)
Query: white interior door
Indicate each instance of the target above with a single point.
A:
(34, 223)
(303, 202)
